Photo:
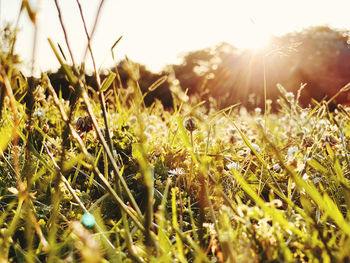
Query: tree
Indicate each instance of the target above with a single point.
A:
(322, 61)
(145, 79)
(318, 56)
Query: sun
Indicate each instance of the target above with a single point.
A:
(255, 40)
(251, 36)
(258, 40)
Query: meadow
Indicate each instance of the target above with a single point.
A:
(100, 177)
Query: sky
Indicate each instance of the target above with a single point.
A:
(158, 32)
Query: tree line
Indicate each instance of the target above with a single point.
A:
(318, 57)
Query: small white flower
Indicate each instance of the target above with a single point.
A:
(257, 111)
(256, 147)
(244, 152)
(322, 123)
(176, 172)
(290, 96)
(243, 111)
(161, 126)
(132, 120)
(316, 180)
(231, 130)
(305, 130)
(40, 113)
(305, 176)
(252, 139)
(304, 114)
(276, 167)
(150, 129)
(292, 150)
(153, 118)
(147, 135)
(276, 203)
(211, 228)
(233, 165)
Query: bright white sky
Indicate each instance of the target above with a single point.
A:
(155, 32)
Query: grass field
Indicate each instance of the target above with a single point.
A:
(88, 181)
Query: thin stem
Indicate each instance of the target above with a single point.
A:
(30, 106)
(94, 27)
(64, 31)
(2, 98)
(180, 204)
(265, 95)
(16, 32)
(97, 75)
(192, 164)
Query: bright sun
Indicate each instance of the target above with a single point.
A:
(252, 37)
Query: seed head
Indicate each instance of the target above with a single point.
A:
(190, 124)
(83, 124)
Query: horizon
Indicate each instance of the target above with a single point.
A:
(157, 32)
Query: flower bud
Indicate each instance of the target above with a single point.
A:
(190, 124)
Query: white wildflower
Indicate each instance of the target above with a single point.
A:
(132, 120)
(305, 176)
(161, 126)
(150, 129)
(305, 130)
(153, 118)
(276, 203)
(257, 111)
(233, 165)
(304, 114)
(290, 96)
(40, 113)
(252, 139)
(243, 111)
(316, 180)
(256, 147)
(292, 150)
(211, 228)
(230, 130)
(147, 135)
(276, 167)
(176, 172)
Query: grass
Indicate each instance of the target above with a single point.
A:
(180, 185)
